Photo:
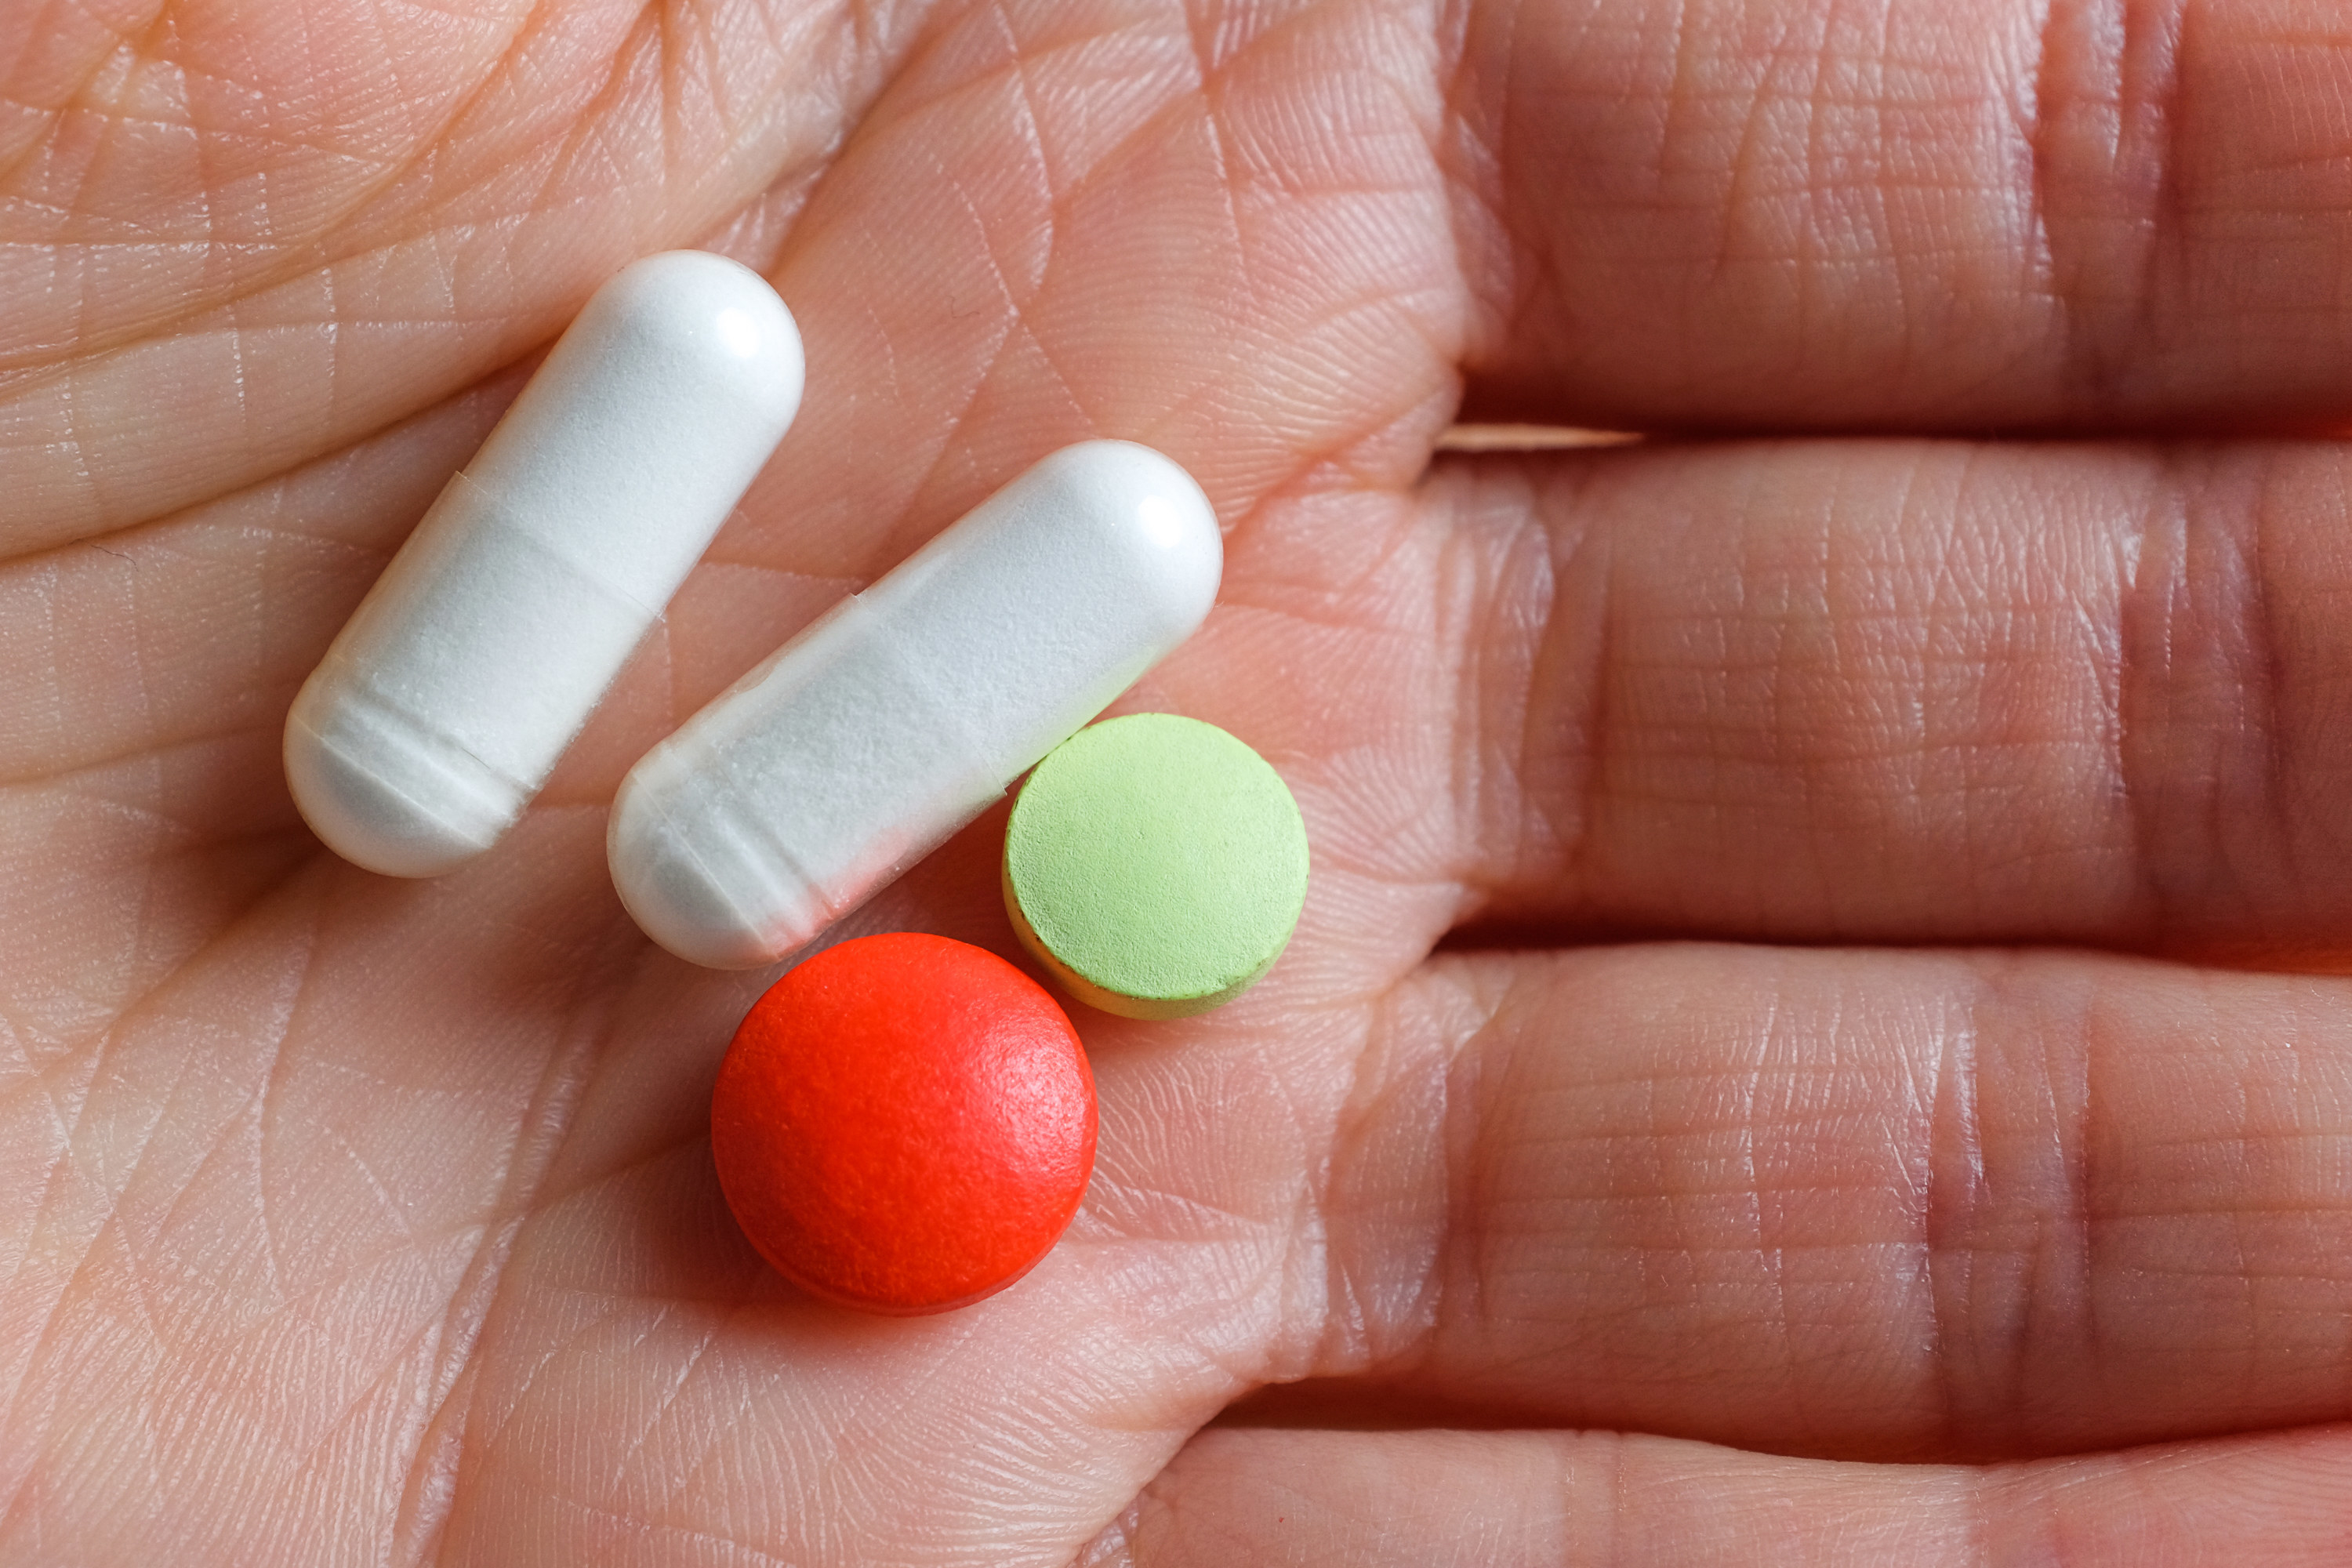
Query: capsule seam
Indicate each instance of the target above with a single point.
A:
(526, 530)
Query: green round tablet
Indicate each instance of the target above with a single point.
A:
(1156, 865)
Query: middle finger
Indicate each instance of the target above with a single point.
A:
(1872, 691)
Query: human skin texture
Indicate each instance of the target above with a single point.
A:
(1817, 1031)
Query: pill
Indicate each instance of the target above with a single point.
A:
(442, 706)
(899, 714)
(904, 1123)
(1156, 865)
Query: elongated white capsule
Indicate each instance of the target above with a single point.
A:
(903, 711)
(444, 704)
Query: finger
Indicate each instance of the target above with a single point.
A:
(1860, 1206)
(1909, 214)
(1497, 1499)
(1885, 692)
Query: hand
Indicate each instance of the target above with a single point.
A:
(1820, 950)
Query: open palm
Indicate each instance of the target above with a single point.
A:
(1591, 1181)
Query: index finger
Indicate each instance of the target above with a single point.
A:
(1909, 214)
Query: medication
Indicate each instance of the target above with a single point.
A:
(443, 705)
(903, 711)
(1156, 865)
(904, 1123)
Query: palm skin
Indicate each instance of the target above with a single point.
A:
(1884, 1098)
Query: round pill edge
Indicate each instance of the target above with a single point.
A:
(1104, 996)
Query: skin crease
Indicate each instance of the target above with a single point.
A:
(1817, 1031)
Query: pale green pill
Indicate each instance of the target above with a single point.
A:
(1156, 865)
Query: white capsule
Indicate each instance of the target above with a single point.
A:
(903, 711)
(443, 705)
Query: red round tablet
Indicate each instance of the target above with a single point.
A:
(904, 1123)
